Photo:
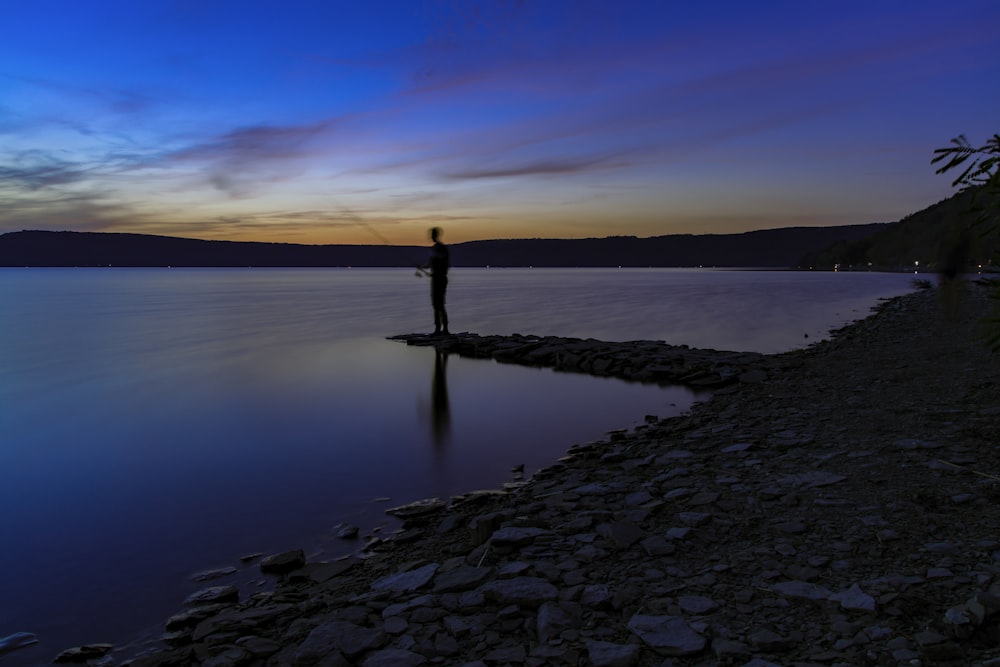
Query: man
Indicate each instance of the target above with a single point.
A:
(439, 264)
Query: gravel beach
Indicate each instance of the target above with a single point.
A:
(830, 506)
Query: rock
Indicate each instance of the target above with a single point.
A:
(259, 647)
(802, 589)
(410, 580)
(667, 635)
(214, 595)
(392, 657)
(242, 621)
(192, 617)
(464, 578)
(283, 562)
(517, 535)
(854, 599)
(755, 376)
(16, 641)
(606, 654)
(768, 640)
(84, 653)
(347, 638)
(506, 654)
(696, 604)
(812, 479)
(694, 519)
(528, 591)
(623, 533)
(208, 575)
(231, 657)
(346, 531)
(552, 620)
(417, 509)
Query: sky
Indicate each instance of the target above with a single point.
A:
(371, 121)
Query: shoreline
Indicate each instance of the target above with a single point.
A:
(815, 510)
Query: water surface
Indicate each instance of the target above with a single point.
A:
(156, 422)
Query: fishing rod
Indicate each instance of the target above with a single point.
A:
(347, 213)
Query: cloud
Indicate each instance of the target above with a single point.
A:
(544, 167)
(39, 172)
(237, 162)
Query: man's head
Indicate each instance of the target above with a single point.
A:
(435, 234)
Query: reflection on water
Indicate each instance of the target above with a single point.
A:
(440, 408)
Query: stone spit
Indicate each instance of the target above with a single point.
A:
(837, 507)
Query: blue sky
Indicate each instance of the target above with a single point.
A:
(319, 122)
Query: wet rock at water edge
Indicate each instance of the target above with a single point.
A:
(16, 641)
(83, 653)
(283, 562)
(214, 595)
(214, 573)
(417, 509)
(346, 531)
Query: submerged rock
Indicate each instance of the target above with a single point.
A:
(16, 641)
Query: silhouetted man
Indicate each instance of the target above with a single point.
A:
(439, 265)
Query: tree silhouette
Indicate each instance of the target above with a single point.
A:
(981, 175)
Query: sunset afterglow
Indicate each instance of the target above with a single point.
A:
(354, 122)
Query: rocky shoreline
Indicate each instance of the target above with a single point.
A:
(829, 506)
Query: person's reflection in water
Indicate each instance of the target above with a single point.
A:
(440, 408)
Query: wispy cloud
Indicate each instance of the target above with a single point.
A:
(36, 170)
(239, 161)
(548, 167)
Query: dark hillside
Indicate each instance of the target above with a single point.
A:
(778, 248)
(929, 237)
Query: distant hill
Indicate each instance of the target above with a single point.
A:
(773, 248)
(940, 234)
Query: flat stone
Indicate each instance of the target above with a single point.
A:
(655, 545)
(696, 604)
(517, 535)
(803, 590)
(259, 646)
(854, 599)
(192, 617)
(694, 518)
(607, 654)
(552, 620)
(529, 591)
(812, 479)
(16, 641)
(623, 533)
(393, 657)
(463, 578)
(506, 654)
(768, 640)
(346, 531)
(283, 562)
(667, 635)
(350, 639)
(231, 657)
(84, 653)
(418, 508)
(216, 573)
(214, 595)
(410, 580)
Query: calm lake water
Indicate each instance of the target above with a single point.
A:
(156, 422)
